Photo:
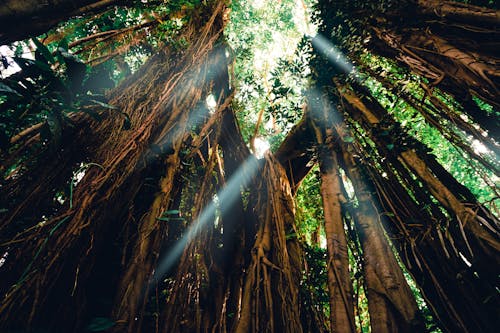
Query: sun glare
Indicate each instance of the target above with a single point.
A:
(211, 103)
(9, 66)
(261, 147)
(227, 195)
(479, 147)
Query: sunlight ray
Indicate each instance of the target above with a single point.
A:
(228, 194)
(332, 53)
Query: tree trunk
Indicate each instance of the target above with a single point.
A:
(449, 122)
(339, 280)
(270, 298)
(87, 228)
(477, 236)
(293, 153)
(445, 50)
(391, 303)
(461, 12)
(459, 300)
(39, 16)
(477, 226)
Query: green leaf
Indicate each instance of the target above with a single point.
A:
(55, 126)
(171, 212)
(99, 324)
(390, 146)
(63, 44)
(25, 64)
(105, 105)
(69, 57)
(8, 90)
(44, 51)
(59, 55)
(348, 139)
(168, 219)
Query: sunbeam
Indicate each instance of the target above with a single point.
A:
(332, 53)
(228, 195)
(322, 110)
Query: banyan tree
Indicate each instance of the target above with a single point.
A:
(132, 198)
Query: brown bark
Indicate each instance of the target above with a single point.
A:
(39, 16)
(457, 71)
(151, 233)
(440, 116)
(484, 230)
(452, 44)
(339, 281)
(175, 85)
(430, 260)
(270, 295)
(458, 299)
(391, 303)
(460, 12)
(294, 155)
(238, 225)
(196, 298)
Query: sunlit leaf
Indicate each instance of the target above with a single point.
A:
(105, 105)
(44, 51)
(8, 90)
(171, 212)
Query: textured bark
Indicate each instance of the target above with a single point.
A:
(151, 232)
(440, 116)
(339, 283)
(391, 303)
(270, 297)
(32, 187)
(486, 232)
(455, 70)
(430, 260)
(196, 298)
(39, 16)
(460, 12)
(243, 273)
(294, 154)
(91, 228)
(459, 300)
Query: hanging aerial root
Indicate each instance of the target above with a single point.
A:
(177, 83)
(411, 179)
(391, 303)
(270, 292)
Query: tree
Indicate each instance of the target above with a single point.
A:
(144, 210)
(383, 129)
(42, 16)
